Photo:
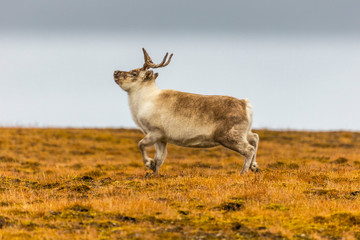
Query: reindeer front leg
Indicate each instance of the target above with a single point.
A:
(160, 155)
(150, 139)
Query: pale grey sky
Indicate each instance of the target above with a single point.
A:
(188, 15)
(297, 61)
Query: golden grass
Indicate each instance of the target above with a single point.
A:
(90, 184)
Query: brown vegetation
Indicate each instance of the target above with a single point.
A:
(91, 184)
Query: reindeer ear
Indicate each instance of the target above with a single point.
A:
(149, 75)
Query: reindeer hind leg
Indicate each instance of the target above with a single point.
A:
(253, 139)
(237, 141)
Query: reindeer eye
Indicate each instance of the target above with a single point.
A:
(134, 74)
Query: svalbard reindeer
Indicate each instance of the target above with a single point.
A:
(186, 119)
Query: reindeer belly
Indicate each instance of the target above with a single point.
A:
(189, 134)
(195, 142)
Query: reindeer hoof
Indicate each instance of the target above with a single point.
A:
(151, 175)
(150, 164)
(257, 170)
(254, 167)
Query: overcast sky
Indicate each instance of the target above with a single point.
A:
(188, 15)
(297, 61)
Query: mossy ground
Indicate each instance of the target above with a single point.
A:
(91, 184)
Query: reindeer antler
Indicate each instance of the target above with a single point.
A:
(149, 63)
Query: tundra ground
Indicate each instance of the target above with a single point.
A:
(91, 184)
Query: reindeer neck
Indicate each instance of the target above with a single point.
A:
(143, 92)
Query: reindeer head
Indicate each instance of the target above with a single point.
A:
(139, 76)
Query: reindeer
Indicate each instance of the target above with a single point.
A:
(186, 119)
